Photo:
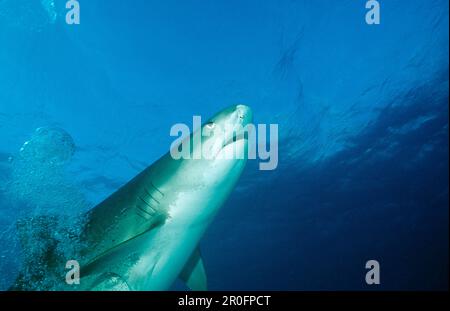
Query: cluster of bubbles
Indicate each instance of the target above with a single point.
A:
(48, 145)
(39, 186)
(38, 176)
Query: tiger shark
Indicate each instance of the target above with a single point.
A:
(146, 234)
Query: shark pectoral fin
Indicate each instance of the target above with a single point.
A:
(193, 273)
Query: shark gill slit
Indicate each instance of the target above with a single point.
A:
(140, 212)
(153, 186)
(148, 209)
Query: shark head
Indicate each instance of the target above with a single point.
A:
(218, 152)
(215, 154)
(224, 136)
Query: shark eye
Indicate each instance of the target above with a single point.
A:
(210, 125)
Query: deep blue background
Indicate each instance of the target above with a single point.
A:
(362, 112)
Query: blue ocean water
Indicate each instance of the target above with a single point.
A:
(362, 113)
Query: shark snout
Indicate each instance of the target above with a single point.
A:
(231, 123)
(245, 115)
(238, 117)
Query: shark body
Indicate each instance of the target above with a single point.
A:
(146, 234)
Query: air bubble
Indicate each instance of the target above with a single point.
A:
(48, 145)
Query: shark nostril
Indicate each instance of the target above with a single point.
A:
(242, 112)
